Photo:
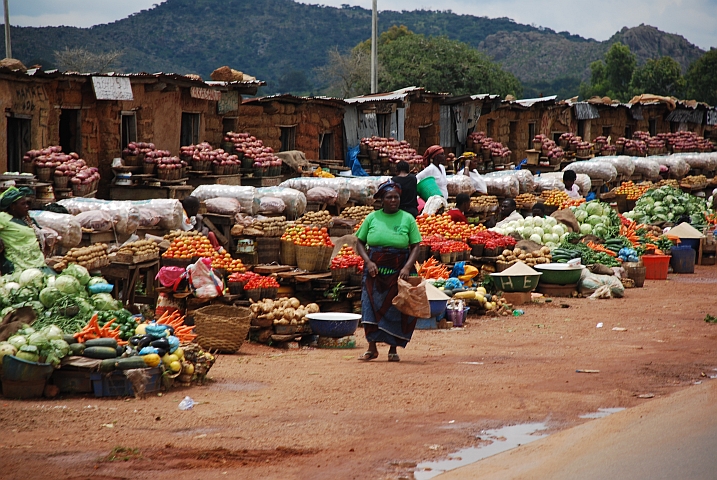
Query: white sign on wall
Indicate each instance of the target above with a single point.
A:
(112, 88)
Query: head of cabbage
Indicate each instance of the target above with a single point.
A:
(68, 285)
(104, 301)
(32, 277)
(79, 272)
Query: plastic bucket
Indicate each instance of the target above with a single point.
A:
(683, 259)
(693, 243)
(17, 370)
(656, 266)
(428, 188)
(457, 316)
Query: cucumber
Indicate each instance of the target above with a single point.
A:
(108, 365)
(77, 348)
(101, 342)
(100, 352)
(70, 339)
(130, 362)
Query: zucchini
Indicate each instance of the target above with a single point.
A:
(130, 363)
(77, 348)
(100, 352)
(107, 366)
(101, 342)
(70, 339)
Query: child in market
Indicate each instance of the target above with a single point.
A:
(569, 178)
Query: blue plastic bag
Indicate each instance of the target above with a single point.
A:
(353, 162)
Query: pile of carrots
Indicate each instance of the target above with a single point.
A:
(176, 321)
(600, 248)
(630, 232)
(432, 269)
(93, 330)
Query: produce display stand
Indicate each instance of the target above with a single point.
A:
(147, 192)
(197, 179)
(262, 181)
(124, 276)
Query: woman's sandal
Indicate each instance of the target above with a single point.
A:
(393, 357)
(369, 355)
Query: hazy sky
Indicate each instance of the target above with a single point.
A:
(696, 20)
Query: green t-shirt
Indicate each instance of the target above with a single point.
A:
(397, 230)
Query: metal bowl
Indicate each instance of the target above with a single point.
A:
(334, 325)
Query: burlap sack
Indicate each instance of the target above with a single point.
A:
(567, 218)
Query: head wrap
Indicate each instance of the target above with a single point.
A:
(384, 188)
(12, 195)
(430, 153)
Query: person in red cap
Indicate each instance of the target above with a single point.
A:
(433, 160)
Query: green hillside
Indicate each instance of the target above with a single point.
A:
(281, 39)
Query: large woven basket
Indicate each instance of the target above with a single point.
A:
(222, 328)
(287, 252)
(309, 258)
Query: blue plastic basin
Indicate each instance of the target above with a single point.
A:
(18, 370)
(437, 307)
(334, 325)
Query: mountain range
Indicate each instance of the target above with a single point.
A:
(280, 41)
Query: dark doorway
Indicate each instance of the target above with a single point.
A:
(288, 138)
(129, 128)
(326, 146)
(189, 134)
(70, 134)
(228, 125)
(18, 142)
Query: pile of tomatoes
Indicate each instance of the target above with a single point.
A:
(347, 258)
(443, 225)
(226, 262)
(572, 202)
(632, 191)
(492, 240)
(306, 236)
(261, 282)
(242, 277)
(186, 247)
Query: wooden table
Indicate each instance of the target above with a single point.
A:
(127, 275)
(196, 180)
(146, 192)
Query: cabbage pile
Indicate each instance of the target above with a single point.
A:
(44, 346)
(668, 204)
(545, 231)
(597, 218)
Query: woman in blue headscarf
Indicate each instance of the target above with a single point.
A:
(18, 238)
(388, 243)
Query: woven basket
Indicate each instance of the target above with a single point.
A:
(309, 258)
(222, 327)
(61, 181)
(218, 169)
(44, 174)
(148, 168)
(342, 274)
(287, 253)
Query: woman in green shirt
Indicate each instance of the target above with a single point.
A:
(17, 231)
(392, 238)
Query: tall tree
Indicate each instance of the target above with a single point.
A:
(442, 65)
(702, 78)
(660, 77)
(612, 76)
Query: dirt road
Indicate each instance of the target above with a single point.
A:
(321, 414)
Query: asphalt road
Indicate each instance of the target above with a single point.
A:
(669, 438)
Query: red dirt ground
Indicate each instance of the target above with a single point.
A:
(321, 414)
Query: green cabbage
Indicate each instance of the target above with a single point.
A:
(96, 280)
(79, 272)
(104, 301)
(68, 284)
(32, 277)
(49, 296)
(28, 353)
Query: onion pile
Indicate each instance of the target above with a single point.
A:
(50, 157)
(253, 148)
(395, 150)
(203, 152)
(164, 160)
(79, 173)
(135, 148)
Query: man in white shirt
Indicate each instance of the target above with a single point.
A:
(433, 159)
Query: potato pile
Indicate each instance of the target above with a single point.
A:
(537, 257)
(694, 181)
(525, 201)
(484, 202)
(91, 257)
(266, 227)
(141, 248)
(357, 213)
(670, 182)
(283, 311)
(320, 218)
(180, 233)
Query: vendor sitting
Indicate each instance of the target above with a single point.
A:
(18, 232)
(538, 210)
(569, 178)
(191, 220)
(508, 212)
(463, 205)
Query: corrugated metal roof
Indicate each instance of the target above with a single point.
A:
(529, 102)
(398, 95)
(691, 116)
(585, 111)
(37, 73)
(294, 98)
